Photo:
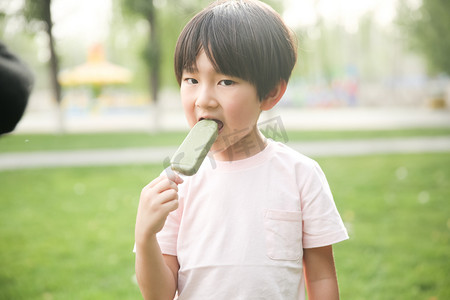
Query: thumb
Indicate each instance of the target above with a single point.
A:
(173, 176)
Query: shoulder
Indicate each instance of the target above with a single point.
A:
(299, 166)
(283, 152)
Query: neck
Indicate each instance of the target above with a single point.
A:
(251, 144)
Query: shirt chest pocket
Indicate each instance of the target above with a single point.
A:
(283, 230)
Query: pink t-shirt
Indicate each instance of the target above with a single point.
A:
(241, 226)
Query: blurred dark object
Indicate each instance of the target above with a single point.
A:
(16, 83)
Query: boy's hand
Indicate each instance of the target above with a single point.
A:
(157, 200)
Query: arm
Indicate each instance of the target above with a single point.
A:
(156, 273)
(320, 274)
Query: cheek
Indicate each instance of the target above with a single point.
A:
(189, 112)
(242, 114)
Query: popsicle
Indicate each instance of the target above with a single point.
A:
(191, 153)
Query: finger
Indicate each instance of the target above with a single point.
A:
(177, 179)
(170, 206)
(168, 195)
(165, 184)
(155, 182)
(173, 176)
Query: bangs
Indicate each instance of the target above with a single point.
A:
(243, 39)
(221, 41)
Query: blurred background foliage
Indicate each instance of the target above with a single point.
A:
(141, 36)
(428, 31)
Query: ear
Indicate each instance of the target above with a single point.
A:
(274, 96)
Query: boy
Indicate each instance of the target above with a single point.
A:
(257, 221)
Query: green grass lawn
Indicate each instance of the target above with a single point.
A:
(40, 142)
(68, 233)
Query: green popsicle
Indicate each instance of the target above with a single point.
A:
(191, 153)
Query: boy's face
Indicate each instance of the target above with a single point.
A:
(232, 102)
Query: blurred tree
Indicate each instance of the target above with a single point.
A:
(40, 11)
(2, 21)
(152, 56)
(428, 29)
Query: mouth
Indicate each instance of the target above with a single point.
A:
(219, 123)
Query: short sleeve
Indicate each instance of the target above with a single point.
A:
(322, 224)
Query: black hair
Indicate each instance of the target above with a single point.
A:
(242, 38)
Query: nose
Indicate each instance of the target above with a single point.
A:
(206, 98)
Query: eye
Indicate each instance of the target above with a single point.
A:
(191, 80)
(226, 82)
